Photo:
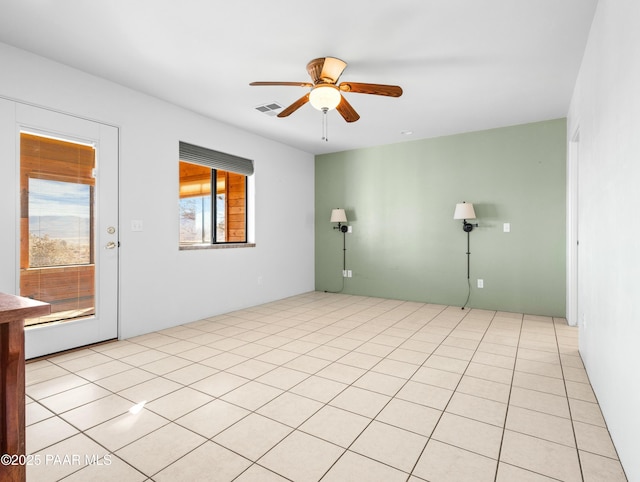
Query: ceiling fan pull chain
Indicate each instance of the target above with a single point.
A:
(325, 137)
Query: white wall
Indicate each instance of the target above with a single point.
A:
(606, 110)
(161, 286)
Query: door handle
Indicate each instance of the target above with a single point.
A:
(110, 245)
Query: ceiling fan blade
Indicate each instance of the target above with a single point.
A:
(346, 110)
(295, 84)
(295, 106)
(326, 70)
(376, 89)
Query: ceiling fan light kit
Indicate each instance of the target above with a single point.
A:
(326, 93)
(324, 97)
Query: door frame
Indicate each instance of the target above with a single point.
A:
(573, 200)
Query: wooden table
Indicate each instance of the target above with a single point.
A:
(13, 311)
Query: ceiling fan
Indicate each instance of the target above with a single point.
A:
(326, 93)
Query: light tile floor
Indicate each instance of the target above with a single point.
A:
(324, 387)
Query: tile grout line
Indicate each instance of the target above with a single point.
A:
(506, 414)
(564, 385)
(442, 412)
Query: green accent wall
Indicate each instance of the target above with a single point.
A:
(405, 244)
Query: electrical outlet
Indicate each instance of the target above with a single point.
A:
(344, 273)
(349, 229)
(506, 227)
(480, 283)
(349, 273)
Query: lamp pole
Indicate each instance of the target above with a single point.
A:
(344, 250)
(467, 227)
(343, 228)
(468, 255)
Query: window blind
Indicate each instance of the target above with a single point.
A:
(215, 159)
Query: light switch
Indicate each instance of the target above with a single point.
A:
(136, 225)
(506, 227)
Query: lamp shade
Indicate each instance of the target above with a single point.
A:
(464, 211)
(338, 216)
(325, 97)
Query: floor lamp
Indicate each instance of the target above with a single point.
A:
(465, 211)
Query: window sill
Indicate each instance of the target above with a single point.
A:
(194, 247)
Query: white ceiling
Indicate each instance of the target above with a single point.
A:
(464, 65)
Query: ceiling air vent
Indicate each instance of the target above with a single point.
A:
(272, 108)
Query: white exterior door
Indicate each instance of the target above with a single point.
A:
(64, 173)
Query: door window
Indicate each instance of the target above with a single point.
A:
(56, 226)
